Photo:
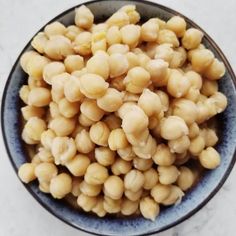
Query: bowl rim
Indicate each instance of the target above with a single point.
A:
(37, 198)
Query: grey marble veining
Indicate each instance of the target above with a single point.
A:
(20, 214)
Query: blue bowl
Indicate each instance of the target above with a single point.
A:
(110, 225)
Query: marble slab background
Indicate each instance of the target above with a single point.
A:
(20, 214)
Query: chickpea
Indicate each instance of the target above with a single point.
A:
(117, 139)
(167, 174)
(85, 121)
(83, 142)
(192, 94)
(101, 27)
(47, 137)
(35, 83)
(143, 59)
(63, 149)
(185, 179)
(220, 101)
(197, 145)
(31, 111)
(118, 19)
(179, 58)
(134, 16)
(26, 172)
(24, 93)
(193, 130)
(120, 167)
(133, 60)
(134, 121)
(175, 196)
(185, 109)
(118, 64)
(112, 121)
(99, 133)
(163, 156)
(178, 84)
(111, 101)
(96, 174)
(118, 48)
(114, 187)
(149, 208)
(44, 187)
(126, 154)
(149, 31)
(142, 164)
(209, 87)
(215, 70)
(150, 102)
(210, 138)
(164, 52)
(130, 35)
(129, 207)
(58, 47)
(117, 83)
(150, 49)
(195, 79)
(98, 42)
(52, 69)
(182, 158)
(83, 17)
(78, 165)
(209, 158)
(111, 205)
(104, 156)
(25, 58)
(177, 24)
(164, 99)
(75, 186)
(93, 90)
(82, 44)
(158, 70)
(129, 97)
(72, 31)
(68, 109)
(45, 155)
(39, 42)
(73, 63)
(134, 180)
(133, 196)
(151, 179)
(62, 126)
(113, 35)
(160, 192)
(138, 139)
(168, 36)
(86, 203)
(192, 38)
(98, 64)
(55, 28)
(90, 190)
(98, 208)
(125, 108)
(148, 150)
(45, 171)
(173, 127)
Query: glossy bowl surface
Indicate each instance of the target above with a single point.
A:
(192, 202)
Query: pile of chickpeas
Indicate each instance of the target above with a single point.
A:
(116, 111)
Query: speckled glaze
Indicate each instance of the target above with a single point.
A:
(192, 202)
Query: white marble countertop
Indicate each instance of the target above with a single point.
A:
(20, 214)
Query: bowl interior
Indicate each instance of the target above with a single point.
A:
(109, 225)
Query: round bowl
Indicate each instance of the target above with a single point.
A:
(110, 225)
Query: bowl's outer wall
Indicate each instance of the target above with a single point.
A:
(108, 225)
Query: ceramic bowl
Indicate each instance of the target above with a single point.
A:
(110, 225)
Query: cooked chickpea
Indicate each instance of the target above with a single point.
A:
(142, 164)
(185, 179)
(197, 144)
(82, 43)
(130, 35)
(44, 187)
(118, 64)
(120, 167)
(101, 27)
(178, 84)
(209, 158)
(52, 69)
(220, 101)
(210, 138)
(164, 52)
(209, 87)
(193, 130)
(160, 192)
(24, 93)
(62, 126)
(114, 187)
(86, 203)
(151, 179)
(126, 154)
(182, 158)
(112, 121)
(117, 83)
(99, 42)
(143, 59)
(164, 99)
(78, 164)
(136, 80)
(75, 186)
(175, 196)
(133, 15)
(26, 172)
(25, 58)
(163, 156)
(125, 108)
(133, 60)
(45, 171)
(111, 205)
(90, 190)
(118, 19)
(45, 155)
(110, 101)
(55, 28)
(215, 70)
(72, 31)
(98, 208)
(93, 90)
(149, 31)
(129, 207)
(168, 36)
(177, 24)
(73, 63)
(134, 180)
(99, 133)
(83, 142)
(83, 17)
(85, 121)
(192, 38)
(133, 196)
(91, 110)
(47, 137)
(118, 48)
(96, 174)
(58, 47)
(173, 127)
(104, 156)
(68, 109)
(31, 111)
(117, 139)
(113, 35)
(138, 139)
(167, 174)
(179, 58)
(39, 42)
(149, 208)
(39, 97)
